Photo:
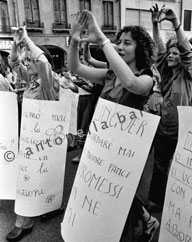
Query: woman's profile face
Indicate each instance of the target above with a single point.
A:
(126, 47)
(29, 63)
(173, 58)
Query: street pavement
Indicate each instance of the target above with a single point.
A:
(50, 230)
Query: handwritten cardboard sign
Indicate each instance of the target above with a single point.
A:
(176, 224)
(42, 156)
(8, 145)
(72, 99)
(111, 165)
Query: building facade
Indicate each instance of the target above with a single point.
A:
(187, 17)
(49, 22)
(137, 12)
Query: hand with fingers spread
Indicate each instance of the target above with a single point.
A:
(20, 36)
(78, 27)
(95, 35)
(167, 14)
(155, 13)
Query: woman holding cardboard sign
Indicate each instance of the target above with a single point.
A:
(43, 84)
(128, 81)
(175, 66)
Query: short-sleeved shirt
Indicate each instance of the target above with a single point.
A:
(43, 87)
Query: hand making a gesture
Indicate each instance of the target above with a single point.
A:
(86, 21)
(20, 36)
(167, 14)
(159, 15)
(155, 14)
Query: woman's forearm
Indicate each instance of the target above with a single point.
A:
(156, 33)
(73, 56)
(36, 52)
(14, 52)
(181, 36)
(122, 70)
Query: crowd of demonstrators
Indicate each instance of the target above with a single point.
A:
(12, 82)
(174, 63)
(4, 83)
(88, 96)
(154, 83)
(67, 80)
(11, 77)
(42, 84)
(85, 109)
(129, 83)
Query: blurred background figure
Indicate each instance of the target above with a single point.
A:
(4, 84)
(67, 80)
(174, 63)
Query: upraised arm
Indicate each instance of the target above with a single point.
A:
(138, 85)
(93, 74)
(155, 19)
(16, 54)
(155, 14)
(169, 15)
(92, 61)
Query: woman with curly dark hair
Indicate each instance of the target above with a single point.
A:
(174, 63)
(144, 48)
(128, 81)
(4, 84)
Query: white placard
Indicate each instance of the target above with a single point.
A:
(73, 99)
(176, 224)
(111, 165)
(42, 156)
(8, 145)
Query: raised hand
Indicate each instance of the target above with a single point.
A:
(167, 14)
(78, 27)
(155, 14)
(95, 35)
(20, 36)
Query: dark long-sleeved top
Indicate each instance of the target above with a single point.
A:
(177, 91)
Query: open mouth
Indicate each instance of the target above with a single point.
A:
(170, 60)
(122, 55)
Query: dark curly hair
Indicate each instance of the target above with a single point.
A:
(2, 66)
(145, 49)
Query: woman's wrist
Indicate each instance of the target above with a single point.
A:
(175, 23)
(104, 42)
(178, 27)
(74, 44)
(155, 23)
